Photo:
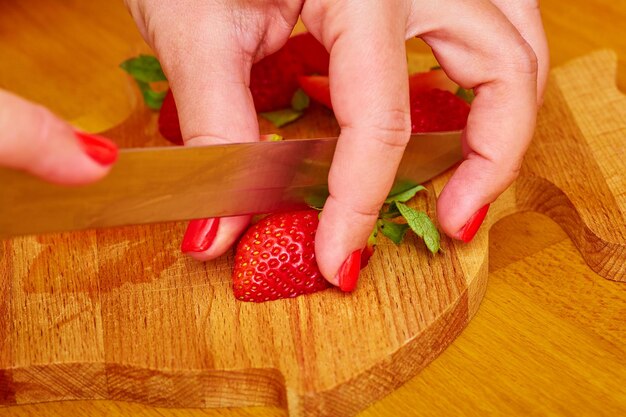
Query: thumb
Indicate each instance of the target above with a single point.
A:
(34, 140)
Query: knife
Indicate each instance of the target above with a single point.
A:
(149, 185)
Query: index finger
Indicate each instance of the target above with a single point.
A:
(369, 91)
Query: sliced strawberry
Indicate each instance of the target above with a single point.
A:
(169, 125)
(314, 56)
(317, 87)
(437, 111)
(436, 78)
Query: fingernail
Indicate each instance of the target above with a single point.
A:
(200, 235)
(349, 271)
(468, 231)
(100, 149)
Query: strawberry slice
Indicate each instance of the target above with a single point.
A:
(314, 56)
(437, 111)
(274, 80)
(317, 87)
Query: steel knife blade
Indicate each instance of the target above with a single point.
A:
(150, 185)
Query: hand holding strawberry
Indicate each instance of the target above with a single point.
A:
(207, 49)
(275, 258)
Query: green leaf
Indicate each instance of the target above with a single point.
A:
(300, 101)
(406, 195)
(394, 231)
(436, 67)
(282, 117)
(401, 186)
(421, 224)
(392, 211)
(145, 68)
(153, 99)
(466, 95)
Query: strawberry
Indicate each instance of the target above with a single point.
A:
(274, 80)
(437, 110)
(313, 55)
(317, 87)
(275, 258)
(434, 107)
(169, 125)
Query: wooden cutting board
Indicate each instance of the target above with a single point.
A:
(121, 314)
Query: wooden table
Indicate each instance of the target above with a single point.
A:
(550, 336)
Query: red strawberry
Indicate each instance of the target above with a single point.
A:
(168, 120)
(275, 258)
(436, 78)
(437, 111)
(318, 88)
(314, 56)
(274, 79)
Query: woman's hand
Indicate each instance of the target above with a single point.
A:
(33, 139)
(496, 47)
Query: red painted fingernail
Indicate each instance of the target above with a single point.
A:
(100, 149)
(200, 235)
(468, 231)
(349, 271)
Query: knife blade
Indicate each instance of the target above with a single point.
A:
(150, 185)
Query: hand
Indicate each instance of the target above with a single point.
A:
(496, 47)
(35, 140)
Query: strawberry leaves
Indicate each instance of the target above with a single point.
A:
(417, 221)
(421, 225)
(406, 195)
(299, 103)
(146, 69)
(280, 118)
(394, 231)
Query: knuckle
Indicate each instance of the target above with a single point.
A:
(508, 173)
(362, 209)
(523, 59)
(393, 128)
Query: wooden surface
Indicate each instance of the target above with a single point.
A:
(585, 349)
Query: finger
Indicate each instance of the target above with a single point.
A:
(479, 48)
(34, 140)
(369, 91)
(526, 17)
(215, 106)
(208, 67)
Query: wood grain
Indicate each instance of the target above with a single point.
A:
(599, 388)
